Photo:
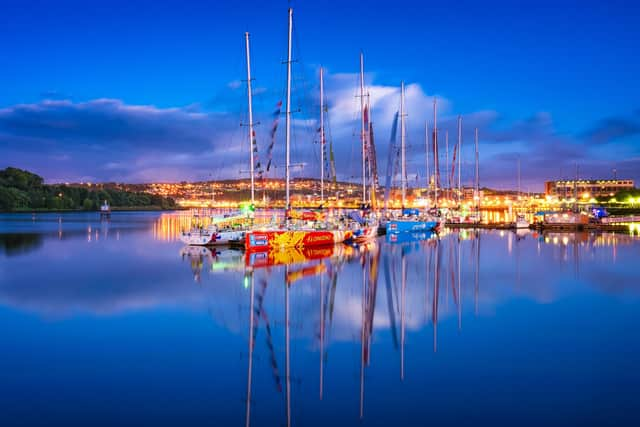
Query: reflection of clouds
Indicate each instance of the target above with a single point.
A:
(109, 276)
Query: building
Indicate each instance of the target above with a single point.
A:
(591, 188)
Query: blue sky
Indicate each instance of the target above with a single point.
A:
(141, 91)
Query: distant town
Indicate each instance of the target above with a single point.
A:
(306, 192)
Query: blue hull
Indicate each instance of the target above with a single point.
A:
(415, 236)
(408, 226)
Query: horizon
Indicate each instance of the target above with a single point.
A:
(141, 94)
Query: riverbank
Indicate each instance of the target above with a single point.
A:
(113, 209)
(612, 228)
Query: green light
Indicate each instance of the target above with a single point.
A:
(246, 282)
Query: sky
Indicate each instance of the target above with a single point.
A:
(156, 91)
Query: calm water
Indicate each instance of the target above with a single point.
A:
(114, 323)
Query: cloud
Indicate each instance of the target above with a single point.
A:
(109, 140)
(104, 136)
(613, 128)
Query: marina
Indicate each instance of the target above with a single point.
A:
(314, 336)
(315, 214)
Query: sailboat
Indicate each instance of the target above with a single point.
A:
(521, 221)
(311, 228)
(365, 226)
(411, 219)
(231, 228)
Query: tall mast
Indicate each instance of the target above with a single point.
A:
(459, 161)
(436, 163)
(426, 143)
(362, 130)
(403, 169)
(446, 165)
(321, 135)
(477, 177)
(518, 178)
(251, 135)
(288, 112)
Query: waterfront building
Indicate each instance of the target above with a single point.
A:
(591, 187)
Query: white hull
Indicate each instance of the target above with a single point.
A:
(212, 238)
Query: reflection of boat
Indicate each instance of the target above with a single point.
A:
(198, 256)
(288, 256)
(409, 237)
(228, 259)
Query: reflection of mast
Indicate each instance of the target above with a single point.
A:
(321, 333)
(369, 285)
(402, 313)
(251, 345)
(287, 346)
(362, 335)
(392, 313)
(436, 286)
(459, 283)
(477, 278)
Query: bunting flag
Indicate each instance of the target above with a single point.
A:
(325, 154)
(374, 168)
(453, 165)
(332, 162)
(274, 128)
(256, 158)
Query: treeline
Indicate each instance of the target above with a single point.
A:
(23, 190)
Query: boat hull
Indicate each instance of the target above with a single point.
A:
(211, 238)
(398, 226)
(276, 239)
(366, 233)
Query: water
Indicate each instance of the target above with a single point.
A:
(114, 323)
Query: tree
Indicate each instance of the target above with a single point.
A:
(87, 205)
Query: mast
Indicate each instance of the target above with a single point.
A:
(459, 160)
(436, 163)
(446, 165)
(426, 143)
(403, 169)
(288, 112)
(251, 134)
(518, 178)
(362, 130)
(477, 177)
(321, 136)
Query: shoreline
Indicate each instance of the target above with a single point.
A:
(116, 209)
